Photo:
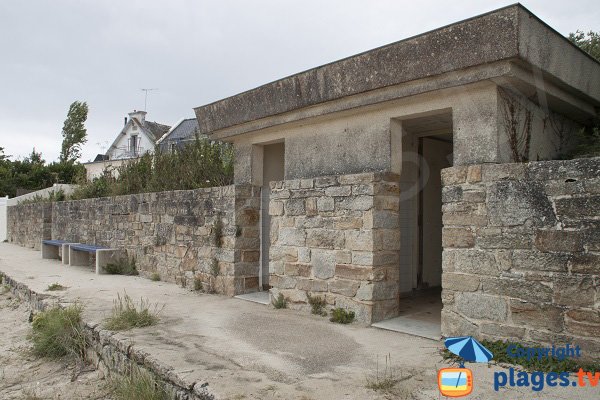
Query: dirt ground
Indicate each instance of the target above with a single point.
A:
(25, 376)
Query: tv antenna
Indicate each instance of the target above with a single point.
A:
(146, 95)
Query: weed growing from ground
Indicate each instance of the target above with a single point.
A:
(155, 277)
(383, 381)
(127, 315)
(317, 305)
(280, 302)
(55, 287)
(198, 286)
(341, 316)
(125, 266)
(58, 332)
(138, 384)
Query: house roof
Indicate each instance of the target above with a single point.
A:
(152, 130)
(184, 129)
(157, 130)
(511, 33)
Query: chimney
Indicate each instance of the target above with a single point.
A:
(140, 115)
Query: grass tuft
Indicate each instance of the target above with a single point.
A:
(317, 305)
(198, 286)
(138, 384)
(58, 333)
(280, 302)
(55, 287)
(126, 315)
(155, 277)
(125, 266)
(341, 316)
(383, 381)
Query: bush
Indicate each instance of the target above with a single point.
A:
(198, 286)
(341, 316)
(55, 287)
(280, 302)
(155, 277)
(317, 305)
(58, 332)
(126, 315)
(138, 384)
(125, 266)
(203, 163)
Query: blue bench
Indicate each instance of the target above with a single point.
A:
(53, 249)
(79, 255)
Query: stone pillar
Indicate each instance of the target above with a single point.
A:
(337, 237)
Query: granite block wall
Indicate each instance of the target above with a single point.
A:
(521, 257)
(28, 224)
(207, 234)
(337, 237)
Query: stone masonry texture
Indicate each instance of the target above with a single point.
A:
(521, 256)
(208, 234)
(337, 238)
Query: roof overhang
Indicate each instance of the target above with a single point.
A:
(501, 45)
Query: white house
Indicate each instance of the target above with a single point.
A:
(137, 137)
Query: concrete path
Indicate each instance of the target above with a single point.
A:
(246, 350)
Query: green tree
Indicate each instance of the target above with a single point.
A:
(590, 42)
(74, 132)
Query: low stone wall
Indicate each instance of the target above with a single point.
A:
(211, 234)
(28, 224)
(522, 252)
(337, 238)
(115, 354)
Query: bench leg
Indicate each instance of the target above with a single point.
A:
(106, 256)
(65, 252)
(78, 258)
(49, 252)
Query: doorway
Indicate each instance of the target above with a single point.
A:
(426, 148)
(273, 165)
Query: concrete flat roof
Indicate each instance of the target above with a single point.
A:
(509, 33)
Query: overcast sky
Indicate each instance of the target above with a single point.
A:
(195, 52)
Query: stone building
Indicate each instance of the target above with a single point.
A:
(350, 157)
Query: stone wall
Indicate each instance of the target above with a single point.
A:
(337, 238)
(211, 234)
(28, 224)
(522, 252)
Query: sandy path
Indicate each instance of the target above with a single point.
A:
(24, 376)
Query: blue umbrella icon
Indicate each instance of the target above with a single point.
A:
(468, 348)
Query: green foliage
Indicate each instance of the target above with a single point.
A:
(138, 384)
(58, 195)
(58, 332)
(280, 302)
(341, 316)
(126, 315)
(590, 42)
(155, 277)
(125, 266)
(74, 132)
(32, 173)
(587, 144)
(317, 305)
(546, 364)
(198, 285)
(203, 163)
(55, 287)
